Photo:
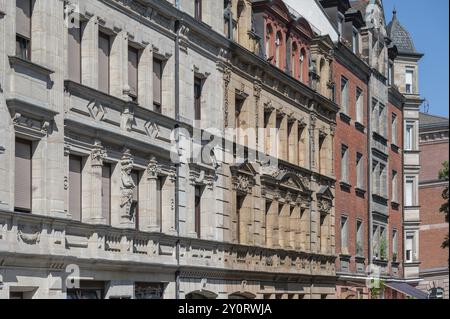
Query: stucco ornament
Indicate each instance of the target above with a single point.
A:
(128, 185)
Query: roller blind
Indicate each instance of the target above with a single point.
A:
(75, 54)
(23, 18)
(157, 76)
(133, 62)
(23, 176)
(104, 48)
(106, 193)
(75, 164)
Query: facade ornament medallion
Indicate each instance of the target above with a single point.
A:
(98, 154)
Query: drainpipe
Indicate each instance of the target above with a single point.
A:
(177, 182)
(369, 166)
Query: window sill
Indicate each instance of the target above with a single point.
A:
(359, 258)
(15, 61)
(345, 118)
(395, 148)
(345, 185)
(380, 136)
(360, 191)
(345, 257)
(360, 127)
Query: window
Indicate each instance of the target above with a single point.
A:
(23, 29)
(302, 64)
(301, 146)
(340, 23)
(157, 85)
(355, 42)
(135, 175)
(394, 129)
(409, 81)
(383, 243)
(159, 202)
(391, 74)
(294, 61)
(269, 32)
(359, 171)
(23, 176)
(104, 52)
(383, 181)
(395, 245)
(409, 137)
(382, 120)
(375, 117)
(133, 65)
(359, 106)
(409, 192)
(106, 193)
(239, 205)
(198, 210)
(197, 99)
(375, 177)
(344, 95)
(278, 50)
(376, 241)
(409, 245)
(322, 163)
(344, 235)
(87, 290)
(74, 53)
(359, 239)
(395, 186)
(75, 171)
(344, 163)
(198, 9)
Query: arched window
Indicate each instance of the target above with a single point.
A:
(302, 64)
(294, 61)
(278, 49)
(269, 32)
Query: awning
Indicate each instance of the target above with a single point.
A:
(407, 290)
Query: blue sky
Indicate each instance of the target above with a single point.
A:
(427, 21)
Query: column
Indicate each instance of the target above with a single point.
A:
(148, 210)
(284, 225)
(295, 228)
(293, 138)
(119, 64)
(92, 188)
(274, 214)
(305, 232)
(245, 221)
(190, 208)
(283, 136)
(145, 78)
(168, 205)
(89, 54)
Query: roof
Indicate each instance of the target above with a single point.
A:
(400, 36)
(427, 120)
(407, 290)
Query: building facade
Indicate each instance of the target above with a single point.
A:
(434, 148)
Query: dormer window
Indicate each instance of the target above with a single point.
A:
(340, 24)
(409, 81)
(355, 42)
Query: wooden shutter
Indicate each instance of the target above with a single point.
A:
(75, 166)
(104, 50)
(198, 98)
(106, 193)
(157, 87)
(23, 176)
(23, 18)
(74, 54)
(133, 62)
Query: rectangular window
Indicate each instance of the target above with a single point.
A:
(239, 205)
(344, 95)
(409, 193)
(376, 241)
(157, 85)
(355, 42)
(23, 176)
(382, 120)
(104, 52)
(135, 175)
(75, 172)
(344, 235)
(106, 193)
(394, 129)
(198, 9)
(359, 239)
(409, 81)
(409, 137)
(375, 117)
(383, 181)
(198, 99)
(198, 210)
(395, 245)
(344, 163)
(394, 186)
(390, 74)
(159, 190)
(133, 65)
(409, 244)
(23, 28)
(359, 106)
(74, 53)
(359, 171)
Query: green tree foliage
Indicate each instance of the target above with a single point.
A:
(443, 176)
